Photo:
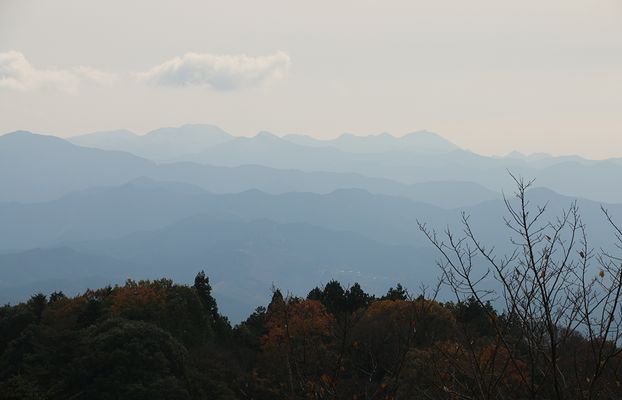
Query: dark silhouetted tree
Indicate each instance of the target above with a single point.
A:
(204, 289)
(397, 293)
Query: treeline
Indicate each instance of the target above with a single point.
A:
(160, 340)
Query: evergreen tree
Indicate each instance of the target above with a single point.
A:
(315, 294)
(37, 304)
(397, 293)
(334, 297)
(356, 298)
(204, 289)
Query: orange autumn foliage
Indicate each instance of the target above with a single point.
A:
(137, 296)
(298, 323)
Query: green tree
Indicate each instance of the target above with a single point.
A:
(124, 359)
(397, 293)
(204, 289)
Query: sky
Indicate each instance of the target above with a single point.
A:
(490, 75)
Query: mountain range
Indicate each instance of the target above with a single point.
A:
(278, 165)
(159, 144)
(41, 168)
(255, 211)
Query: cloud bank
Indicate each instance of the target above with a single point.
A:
(17, 73)
(219, 72)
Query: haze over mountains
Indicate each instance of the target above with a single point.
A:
(416, 157)
(160, 144)
(253, 211)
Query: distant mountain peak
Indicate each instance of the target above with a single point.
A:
(267, 137)
(30, 138)
(193, 130)
(18, 133)
(515, 154)
(265, 134)
(417, 142)
(423, 133)
(160, 144)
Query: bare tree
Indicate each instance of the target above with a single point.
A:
(560, 334)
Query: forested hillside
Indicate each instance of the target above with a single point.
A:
(160, 340)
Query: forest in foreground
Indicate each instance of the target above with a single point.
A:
(160, 340)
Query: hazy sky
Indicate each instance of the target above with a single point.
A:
(490, 75)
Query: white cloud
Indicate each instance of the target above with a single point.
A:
(17, 73)
(219, 72)
(94, 75)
